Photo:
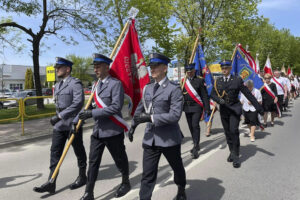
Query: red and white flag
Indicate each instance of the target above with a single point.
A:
(268, 67)
(289, 71)
(130, 68)
(257, 64)
(249, 58)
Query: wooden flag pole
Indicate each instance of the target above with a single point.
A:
(86, 107)
(191, 60)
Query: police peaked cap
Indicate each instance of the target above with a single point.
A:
(99, 58)
(225, 63)
(190, 67)
(62, 62)
(156, 58)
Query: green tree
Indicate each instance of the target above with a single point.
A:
(223, 23)
(81, 68)
(152, 23)
(55, 16)
(29, 79)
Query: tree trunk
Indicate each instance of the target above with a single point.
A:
(36, 69)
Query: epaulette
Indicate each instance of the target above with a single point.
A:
(174, 83)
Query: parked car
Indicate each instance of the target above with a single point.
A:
(20, 95)
(47, 92)
(87, 91)
(5, 92)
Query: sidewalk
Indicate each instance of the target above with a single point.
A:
(10, 134)
(36, 129)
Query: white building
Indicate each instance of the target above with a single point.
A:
(13, 76)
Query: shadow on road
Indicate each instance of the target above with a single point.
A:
(209, 189)
(111, 171)
(20, 179)
(280, 123)
(261, 134)
(250, 150)
(204, 189)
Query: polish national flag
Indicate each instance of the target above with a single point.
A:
(289, 71)
(268, 67)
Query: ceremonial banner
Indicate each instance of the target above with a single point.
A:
(289, 71)
(201, 66)
(250, 59)
(241, 68)
(130, 68)
(257, 64)
(268, 67)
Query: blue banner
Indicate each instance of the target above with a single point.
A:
(241, 68)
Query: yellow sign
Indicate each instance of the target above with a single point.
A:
(215, 68)
(50, 74)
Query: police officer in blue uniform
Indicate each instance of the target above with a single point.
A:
(225, 92)
(161, 107)
(106, 133)
(69, 100)
(193, 110)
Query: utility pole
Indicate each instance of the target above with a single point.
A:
(2, 79)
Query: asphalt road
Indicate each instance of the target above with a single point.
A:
(269, 171)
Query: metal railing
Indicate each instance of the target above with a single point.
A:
(22, 104)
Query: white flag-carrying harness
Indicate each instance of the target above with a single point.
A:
(115, 118)
(192, 92)
(271, 93)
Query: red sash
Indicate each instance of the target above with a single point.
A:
(192, 92)
(115, 118)
(278, 84)
(271, 93)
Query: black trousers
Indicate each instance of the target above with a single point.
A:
(151, 158)
(280, 101)
(59, 139)
(230, 124)
(116, 147)
(193, 120)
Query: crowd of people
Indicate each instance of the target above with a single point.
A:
(161, 107)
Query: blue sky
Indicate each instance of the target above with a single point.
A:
(282, 13)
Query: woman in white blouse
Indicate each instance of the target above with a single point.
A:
(250, 113)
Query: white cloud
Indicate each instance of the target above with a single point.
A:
(279, 4)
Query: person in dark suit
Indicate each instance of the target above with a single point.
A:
(192, 107)
(69, 100)
(108, 101)
(269, 104)
(226, 93)
(161, 107)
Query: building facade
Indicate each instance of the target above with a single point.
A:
(13, 76)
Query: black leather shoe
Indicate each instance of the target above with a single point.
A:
(80, 181)
(236, 161)
(197, 148)
(46, 187)
(124, 188)
(181, 193)
(230, 159)
(87, 196)
(195, 153)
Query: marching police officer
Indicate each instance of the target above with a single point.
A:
(69, 100)
(109, 99)
(226, 91)
(193, 105)
(161, 108)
